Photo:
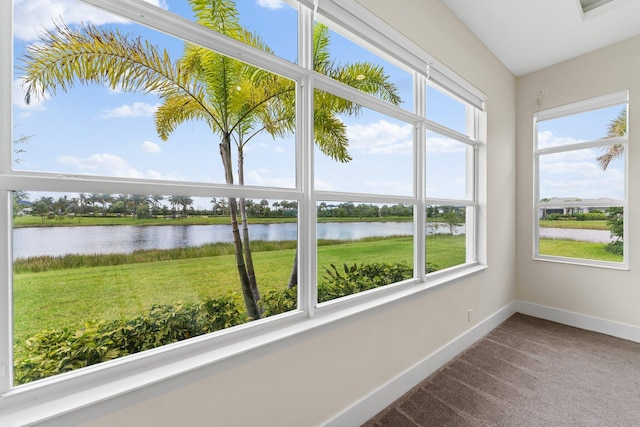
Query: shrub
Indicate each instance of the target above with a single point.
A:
(357, 279)
(279, 301)
(615, 247)
(52, 352)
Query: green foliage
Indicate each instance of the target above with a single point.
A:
(52, 352)
(351, 280)
(589, 216)
(356, 278)
(615, 220)
(616, 247)
(279, 301)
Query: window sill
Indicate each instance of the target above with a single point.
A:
(582, 262)
(53, 399)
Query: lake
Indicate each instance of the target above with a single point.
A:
(58, 241)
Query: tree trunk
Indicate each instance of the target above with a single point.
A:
(293, 279)
(250, 302)
(245, 231)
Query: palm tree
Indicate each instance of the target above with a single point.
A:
(617, 127)
(237, 101)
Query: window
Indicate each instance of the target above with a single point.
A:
(581, 184)
(204, 186)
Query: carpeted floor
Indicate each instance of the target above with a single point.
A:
(528, 372)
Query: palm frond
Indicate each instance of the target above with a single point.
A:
(321, 55)
(178, 109)
(369, 78)
(64, 57)
(219, 15)
(617, 127)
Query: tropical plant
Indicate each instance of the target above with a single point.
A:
(236, 100)
(617, 127)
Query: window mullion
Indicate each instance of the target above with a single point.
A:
(6, 298)
(420, 177)
(307, 247)
(6, 156)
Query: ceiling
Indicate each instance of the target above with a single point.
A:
(527, 35)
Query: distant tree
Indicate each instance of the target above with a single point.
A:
(453, 220)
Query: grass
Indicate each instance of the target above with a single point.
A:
(47, 298)
(577, 249)
(581, 225)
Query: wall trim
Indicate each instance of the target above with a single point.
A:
(578, 320)
(370, 405)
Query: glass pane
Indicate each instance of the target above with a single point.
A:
(446, 110)
(362, 246)
(122, 119)
(447, 168)
(100, 276)
(340, 58)
(577, 176)
(446, 236)
(588, 126)
(594, 233)
(364, 152)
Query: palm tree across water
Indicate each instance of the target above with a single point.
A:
(236, 100)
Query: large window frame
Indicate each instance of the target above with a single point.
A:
(96, 383)
(574, 109)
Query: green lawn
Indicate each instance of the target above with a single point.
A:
(69, 297)
(577, 249)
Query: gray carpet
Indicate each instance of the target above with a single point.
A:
(528, 372)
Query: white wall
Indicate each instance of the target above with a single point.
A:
(308, 381)
(602, 293)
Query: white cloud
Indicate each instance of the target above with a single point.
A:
(547, 139)
(440, 144)
(110, 165)
(270, 4)
(261, 178)
(150, 147)
(381, 137)
(386, 186)
(137, 109)
(32, 16)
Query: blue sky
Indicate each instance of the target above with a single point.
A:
(96, 130)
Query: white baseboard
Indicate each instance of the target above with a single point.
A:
(363, 410)
(582, 321)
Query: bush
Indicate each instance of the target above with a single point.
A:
(615, 247)
(279, 301)
(357, 279)
(55, 351)
(52, 352)
(338, 284)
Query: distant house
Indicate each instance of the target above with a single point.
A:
(562, 205)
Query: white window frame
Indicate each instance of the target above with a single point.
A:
(68, 393)
(583, 106)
